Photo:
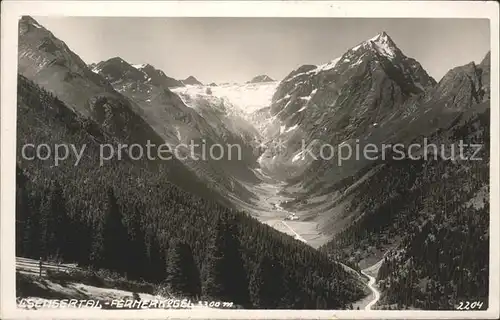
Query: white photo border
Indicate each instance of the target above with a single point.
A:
(12, 10)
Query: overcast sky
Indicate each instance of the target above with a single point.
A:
(237, 49)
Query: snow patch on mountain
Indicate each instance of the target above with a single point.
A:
(96, 70)
(327, 66)
(291, 128)
(303, 108)
(298, 156)
(178, 133)
(285, 129)
(139, 66)
(36, 25)
(320, 68)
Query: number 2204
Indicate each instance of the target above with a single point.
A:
(468, 305)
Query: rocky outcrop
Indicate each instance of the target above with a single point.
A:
(464, 85)
(191, 81)
(158, 78)
(261, 78)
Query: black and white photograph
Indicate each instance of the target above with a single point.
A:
(218, 164)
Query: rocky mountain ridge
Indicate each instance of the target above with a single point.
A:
(132, 117)
(261, 78)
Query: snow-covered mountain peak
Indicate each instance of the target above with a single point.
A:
(381, 43)
(381, 37)
(374, 75)
(384, 45)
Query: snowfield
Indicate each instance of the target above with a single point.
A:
(248, 97)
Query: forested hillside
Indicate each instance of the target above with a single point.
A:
(434, 214)
(127, 217)
(443, 258)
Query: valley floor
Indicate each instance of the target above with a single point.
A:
(268, 209)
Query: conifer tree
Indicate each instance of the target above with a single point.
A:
(53, 221)
(224, 275)
(114, 236)
(183, 276)
(156, 259)
(137, 256)
(96, 258)
(60, 246)
(23, 214)
(46, 225)
(214, 268)
(266, 283)
(236, 277)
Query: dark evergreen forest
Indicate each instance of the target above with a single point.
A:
(126, 216)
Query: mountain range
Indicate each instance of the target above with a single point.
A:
(399, 215)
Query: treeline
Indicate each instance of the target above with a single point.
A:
(127, 217)
(435, 216)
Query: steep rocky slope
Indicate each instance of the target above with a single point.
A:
(406, 209)
(49, 62)
(135, 103)
(181, 125)
(341, 100)
(387, 203)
